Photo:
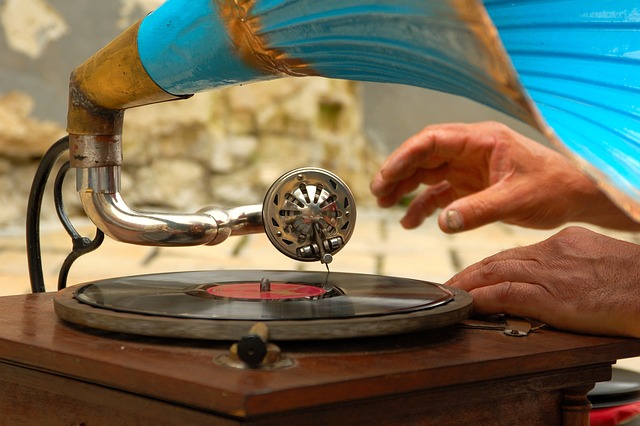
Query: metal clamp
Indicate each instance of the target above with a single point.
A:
(509, 325)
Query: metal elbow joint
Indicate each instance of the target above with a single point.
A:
(101, 199)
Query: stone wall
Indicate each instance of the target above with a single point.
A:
(23, 139)
(220, 148)
(228, 146)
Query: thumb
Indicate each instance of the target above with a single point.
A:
(475, 210)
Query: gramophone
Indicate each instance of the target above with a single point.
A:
(352, 348)
(572, 74)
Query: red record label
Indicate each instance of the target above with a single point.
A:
(278, 291)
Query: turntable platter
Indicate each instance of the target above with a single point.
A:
(223, 305)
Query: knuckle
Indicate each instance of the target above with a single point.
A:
(479, 211)
(567, 239)
(500, 130)
(490, 270)
(504, 293)
(496, 125)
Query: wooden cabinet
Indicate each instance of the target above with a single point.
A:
(56, 374)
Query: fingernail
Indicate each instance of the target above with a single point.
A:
(454, 221)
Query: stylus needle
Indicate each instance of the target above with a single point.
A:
(325, 258)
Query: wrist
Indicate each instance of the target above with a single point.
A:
(599, 210)
(593, 206)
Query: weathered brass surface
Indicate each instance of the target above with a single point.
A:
(107, 83)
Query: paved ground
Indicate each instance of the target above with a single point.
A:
(379, 245)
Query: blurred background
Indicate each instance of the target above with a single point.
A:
(224, 148)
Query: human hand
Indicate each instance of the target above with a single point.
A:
(486, 172)
(577, 280)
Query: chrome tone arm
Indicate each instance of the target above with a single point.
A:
(104, 205)
(308, 214)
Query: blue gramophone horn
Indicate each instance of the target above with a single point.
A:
(570, 68)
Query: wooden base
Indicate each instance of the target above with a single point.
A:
(53, 373)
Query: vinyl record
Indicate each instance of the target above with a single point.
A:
(294, 305)
(293, 295)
